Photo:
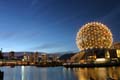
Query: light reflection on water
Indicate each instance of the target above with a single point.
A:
(37, 73)
(60, 73)
(110, 73)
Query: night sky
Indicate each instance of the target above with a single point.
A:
(51, 25)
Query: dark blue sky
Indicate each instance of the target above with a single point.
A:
(51, 25)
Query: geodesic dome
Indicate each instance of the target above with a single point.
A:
(94, 35)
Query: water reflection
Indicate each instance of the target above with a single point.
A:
(37, 73)
(68, 74)
(60, 73)
(111, 73)
(23, 77)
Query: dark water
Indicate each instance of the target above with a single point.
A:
(60, 73)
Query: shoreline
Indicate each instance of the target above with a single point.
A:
(91, 65)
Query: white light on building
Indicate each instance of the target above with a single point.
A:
(100, 60)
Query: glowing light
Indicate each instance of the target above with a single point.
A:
(100, 60)
(118, 53)
(23, 76)
(94, 35)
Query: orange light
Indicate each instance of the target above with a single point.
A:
(94, 35)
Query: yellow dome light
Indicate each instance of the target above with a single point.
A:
(94, 35)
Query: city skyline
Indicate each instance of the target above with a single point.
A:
(51, 25)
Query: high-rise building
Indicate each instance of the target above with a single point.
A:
(25, 57)
(36, 56)
(31, 58)
(44, 57)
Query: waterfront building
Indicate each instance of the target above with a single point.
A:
(39, 58)
(31, 58)
(25, 57)
(11, 55)
(94, 35)
(95, 41)
(35, 56)
(67, 57)
(55, 58)
(77, 57)
(116, 45)
(97, 56)
(44, 58)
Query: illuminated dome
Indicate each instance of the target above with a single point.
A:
(94, 35)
